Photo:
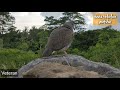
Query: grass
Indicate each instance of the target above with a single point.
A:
(14, 58)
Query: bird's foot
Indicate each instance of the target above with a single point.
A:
(66, 60)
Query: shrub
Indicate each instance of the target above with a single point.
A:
(109, 53)
(1, 43)
(14, 58)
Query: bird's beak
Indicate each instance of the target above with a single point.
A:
(74, 28)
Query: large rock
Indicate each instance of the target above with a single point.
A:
(78, 62)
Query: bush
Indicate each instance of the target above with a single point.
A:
(1, 43)
(23, 46)
(14, 58)
(109, 53)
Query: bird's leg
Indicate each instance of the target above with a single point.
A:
(66, 60)
(65, 53)
(53, 52)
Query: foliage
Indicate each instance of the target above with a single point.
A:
(23, 46)
(6, 21)
(33, 39)
(14, 58)
(78, 19)
(107, 49)
(83, 40)
(1, 43)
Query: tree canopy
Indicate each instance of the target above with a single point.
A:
(78, 19)
(6, 22)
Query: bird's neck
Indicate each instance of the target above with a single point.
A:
(67, 26)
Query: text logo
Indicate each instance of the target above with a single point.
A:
(9, 72)
(105, 19)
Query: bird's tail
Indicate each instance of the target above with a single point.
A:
(47, 52)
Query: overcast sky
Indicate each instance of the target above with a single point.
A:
(30, 19)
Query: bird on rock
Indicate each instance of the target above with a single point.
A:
(60, 39)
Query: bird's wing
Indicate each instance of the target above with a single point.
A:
(60, 38)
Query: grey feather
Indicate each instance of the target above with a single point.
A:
(60, 38)
(47, 52)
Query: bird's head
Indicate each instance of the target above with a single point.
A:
(69, 24)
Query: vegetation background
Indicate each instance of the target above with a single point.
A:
(18, 47)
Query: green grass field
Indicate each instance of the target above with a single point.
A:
(14, 58)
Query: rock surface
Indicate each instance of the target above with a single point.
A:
(57, 70)
(79, 68)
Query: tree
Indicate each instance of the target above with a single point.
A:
(1, 43)
(107, 27)
(6, 21)
(11, 39)
(83, 40)
(23, 46)
(104, 38)
(43, 37)
(78, 19)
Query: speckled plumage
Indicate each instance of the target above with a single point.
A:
(60, 39)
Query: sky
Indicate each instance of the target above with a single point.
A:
(29, 19)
